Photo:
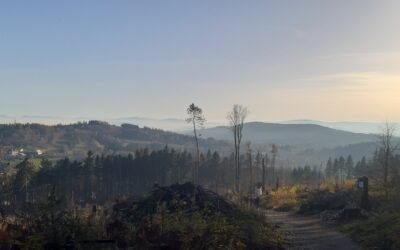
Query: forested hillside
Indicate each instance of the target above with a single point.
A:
(306, 135)
(298, 144)
(76, 139)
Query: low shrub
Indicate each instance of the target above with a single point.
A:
(381, 231)
(284, 199)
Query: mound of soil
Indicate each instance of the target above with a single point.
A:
(185, 197)
(322, 200)
(188, 216)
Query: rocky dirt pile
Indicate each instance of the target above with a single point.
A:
(189, 217)
(333, 207)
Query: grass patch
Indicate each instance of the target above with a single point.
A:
(284, 199)
(381, 231)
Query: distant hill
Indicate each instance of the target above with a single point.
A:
(76, 139)
(180, 125)
(170, 124)
(356, 127)
(298, 143)
(307, 135)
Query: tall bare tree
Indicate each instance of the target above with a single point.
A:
(257, 163)
(388, 149)
(274, 153)
(196, 118)
(265, 162)
(249, 157)
(236, 118)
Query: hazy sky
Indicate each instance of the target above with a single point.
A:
(326, 60)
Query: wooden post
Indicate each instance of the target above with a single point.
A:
(362, 185)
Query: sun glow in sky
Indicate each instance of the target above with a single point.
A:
(323, 60)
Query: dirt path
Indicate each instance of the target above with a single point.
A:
(307, 232)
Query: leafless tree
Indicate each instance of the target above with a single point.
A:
(257, 163)
(196, 118)
(388, 149)
(236, 118)
(249, 157)
(265, 162)
(274, 153)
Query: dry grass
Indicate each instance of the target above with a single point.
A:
(284, 198)
(381, 231)
(332, 186)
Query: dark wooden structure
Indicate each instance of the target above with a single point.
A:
(362, 186)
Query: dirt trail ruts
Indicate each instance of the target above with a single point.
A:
(307, 232)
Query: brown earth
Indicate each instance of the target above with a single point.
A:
(307, 232)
